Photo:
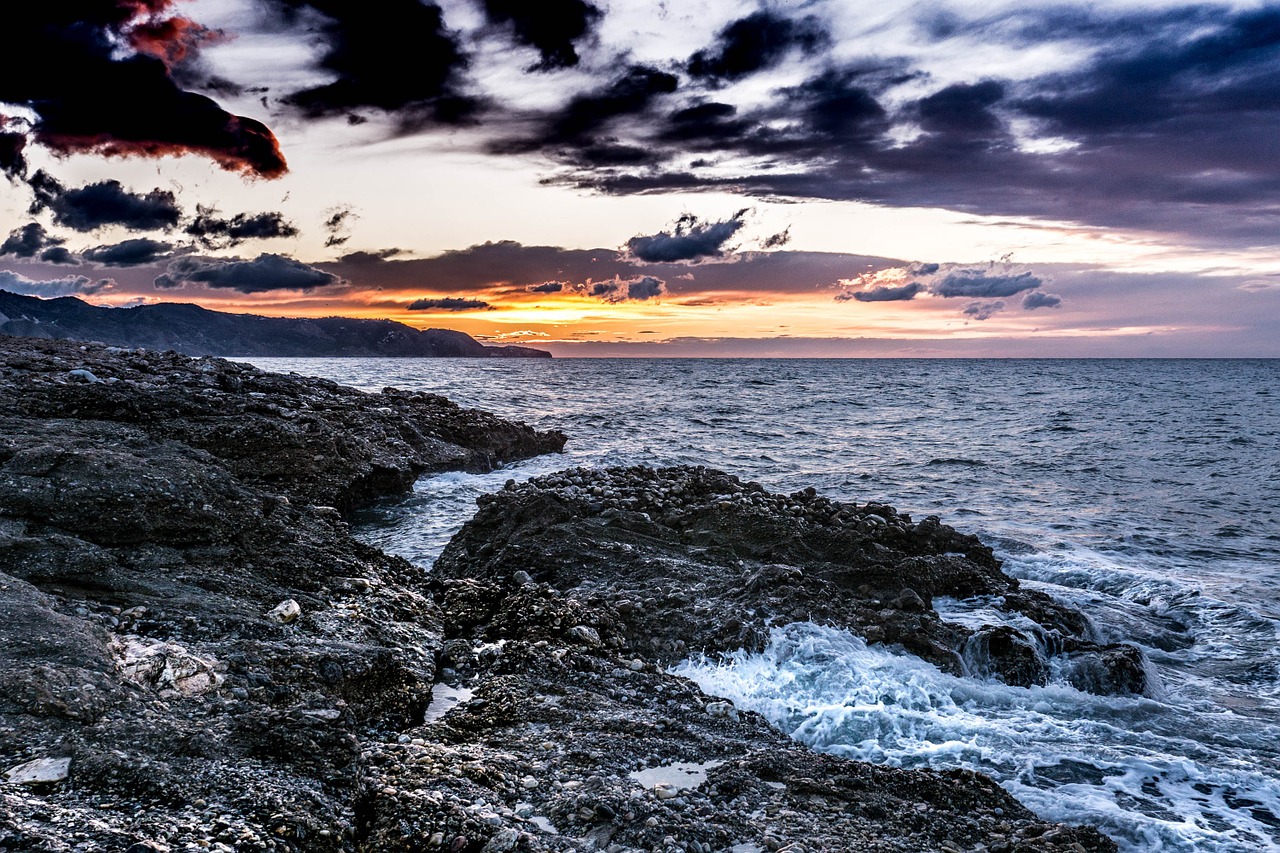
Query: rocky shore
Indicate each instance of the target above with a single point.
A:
(195, 654)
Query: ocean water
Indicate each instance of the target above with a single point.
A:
(1145, 492)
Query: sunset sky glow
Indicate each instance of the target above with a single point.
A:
(625, 178)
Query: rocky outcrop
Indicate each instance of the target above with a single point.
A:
(190, 329)
(309, 440)
(684, 560)
(195, 654)
(184, 617)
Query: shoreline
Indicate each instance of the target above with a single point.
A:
(159, 523)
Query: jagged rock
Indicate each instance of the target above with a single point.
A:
(680, 560)
(149, 522)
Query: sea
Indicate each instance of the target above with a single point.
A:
(1144, 492)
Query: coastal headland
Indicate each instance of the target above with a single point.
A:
(195, 653)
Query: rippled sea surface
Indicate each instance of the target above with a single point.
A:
(1145, 492)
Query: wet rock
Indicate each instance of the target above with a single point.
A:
(713, 562)
(1007, 654)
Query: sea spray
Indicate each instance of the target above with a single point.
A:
(1124, 763)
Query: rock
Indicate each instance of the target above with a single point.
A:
(728, 560)
(285, 612)
(502, 840)
(185, 498)
(42, 771)
(147, 524)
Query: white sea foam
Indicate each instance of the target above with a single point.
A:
(1127, 764)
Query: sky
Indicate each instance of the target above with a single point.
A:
(622, 178)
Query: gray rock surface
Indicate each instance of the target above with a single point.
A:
(188, 630)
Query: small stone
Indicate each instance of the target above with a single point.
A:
(522, 578)
(503, 840)
(528, 783)
(665, 791)
(722, 709)
(42, 771)
(285, 612)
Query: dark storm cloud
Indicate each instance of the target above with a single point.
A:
(13, 159)
(28, 241)
(263, 274)
(49, 288)
(573, 128)
(212, 231)
(450, 303)
(690, 240)
(59, 255)
(1036, 299)
(962, 109)
(885, 293)
(93, 88)
(759, 41)
(551, 26)
(983, 310)
(92, 206)
(128, 253)
(1167, 123)
(396, 56)
(546, 287)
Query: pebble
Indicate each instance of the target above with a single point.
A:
(285, 612)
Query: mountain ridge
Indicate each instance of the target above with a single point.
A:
(192, 330)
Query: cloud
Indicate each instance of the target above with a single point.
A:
(885, 293)
(113, 95)
(631, 93)
(777, 241)
(638, 289)
(945, 281)
(13, 160)
(129, 253)
(983, 310)
(28, 241)
(1036, 299)
(265, 273)
(547, 287)
(396, 56)
(962, 109)
(338, 223)
(759, 41)
(104, 203)
(59, 255)
(213, 232)
(450, 303)
(690, 240)
(1155, 119)
(551, 26)
(49, 288)
(978, 282)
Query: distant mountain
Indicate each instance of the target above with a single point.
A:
(193, 330)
